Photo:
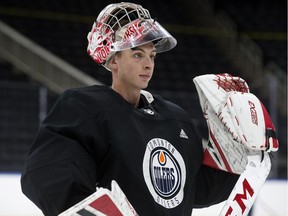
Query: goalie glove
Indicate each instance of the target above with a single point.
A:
(103, 203)
(238, 122)
(241, 134)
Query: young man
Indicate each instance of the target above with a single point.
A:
(97, 134)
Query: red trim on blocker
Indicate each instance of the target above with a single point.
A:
(105, 205)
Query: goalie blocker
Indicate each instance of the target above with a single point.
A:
(103, 202)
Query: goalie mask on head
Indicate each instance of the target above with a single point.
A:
(123, 26)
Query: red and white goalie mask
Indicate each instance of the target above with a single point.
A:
(123, 26)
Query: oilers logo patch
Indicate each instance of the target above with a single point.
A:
(164, 172)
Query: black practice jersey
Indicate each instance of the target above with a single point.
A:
(92, 136)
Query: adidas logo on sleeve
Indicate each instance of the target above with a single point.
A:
(183, 134)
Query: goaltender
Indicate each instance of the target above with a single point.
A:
(97, 134)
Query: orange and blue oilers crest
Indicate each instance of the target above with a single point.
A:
(164, 172)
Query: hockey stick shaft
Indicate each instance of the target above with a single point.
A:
(248, 185)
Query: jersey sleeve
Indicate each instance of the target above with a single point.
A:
(213, 186)
(61, 167)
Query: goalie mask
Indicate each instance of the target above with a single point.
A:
(123, 26)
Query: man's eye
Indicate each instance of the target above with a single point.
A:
(153, 57)
(137, 55)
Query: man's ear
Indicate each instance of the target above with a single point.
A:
(113, 63)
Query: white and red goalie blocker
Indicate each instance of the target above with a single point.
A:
(241, 134)
(103, 202)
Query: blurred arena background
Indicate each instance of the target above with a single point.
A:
(43, 52)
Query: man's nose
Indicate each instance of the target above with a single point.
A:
(149, 62)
